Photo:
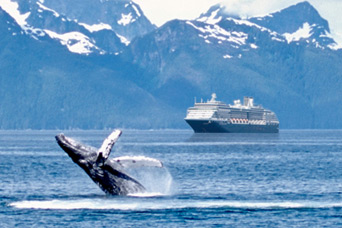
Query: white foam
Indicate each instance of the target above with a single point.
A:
(74, 204)
(157, 181)
(147, 194)
(129, 203)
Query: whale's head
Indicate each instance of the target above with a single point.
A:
(81, 154)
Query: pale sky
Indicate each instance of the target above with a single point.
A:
(161, 11)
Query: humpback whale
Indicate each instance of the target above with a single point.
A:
(108, 174)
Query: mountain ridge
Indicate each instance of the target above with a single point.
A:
(149, 79)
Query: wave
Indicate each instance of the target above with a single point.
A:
(148, 194)
(139, 204)
(31, 153)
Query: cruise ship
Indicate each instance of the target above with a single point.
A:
(217, 117)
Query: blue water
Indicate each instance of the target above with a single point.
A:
(290, 179)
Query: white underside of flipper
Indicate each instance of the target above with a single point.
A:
(108, 143)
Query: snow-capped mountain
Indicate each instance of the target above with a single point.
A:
(298, 23)
(232, 37)
(122, 16)
(98, 64)
(44, 85)
(78, 35)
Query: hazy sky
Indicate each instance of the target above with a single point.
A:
(160, 11)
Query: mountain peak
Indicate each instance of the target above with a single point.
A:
(215, 14)
(297, 23)
(290, 19)
(125, 17)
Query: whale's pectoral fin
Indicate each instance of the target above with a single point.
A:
(107, 145)
(136, 161)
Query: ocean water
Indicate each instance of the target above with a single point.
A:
(290, 179)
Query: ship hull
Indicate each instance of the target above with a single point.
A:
(205, 126)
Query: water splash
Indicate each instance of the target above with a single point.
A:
(157, 181)
(130, 203)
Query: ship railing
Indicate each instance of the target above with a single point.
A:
(258, 122)
(238, 121)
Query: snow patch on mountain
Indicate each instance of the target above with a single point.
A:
(302, 33)
(216, 32)
(136, 10)
(212, 19)
(103, 26)
(123, 40)
(227, 56)
(96, 27)
(248, 23)
(76, 42)
(12, 8)
(126, 19)
(251, 24)
(47, 9)
(335, 46)
(262, 17)
(274, 35)
(253, 46)
(131, 17)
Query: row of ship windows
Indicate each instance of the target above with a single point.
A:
(233, 119)
(209, 114)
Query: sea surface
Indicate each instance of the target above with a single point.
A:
(290, 179)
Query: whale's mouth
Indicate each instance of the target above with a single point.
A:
(76, 150)
(67, 144)
(64, 143)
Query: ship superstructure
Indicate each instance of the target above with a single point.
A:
(216, 116)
